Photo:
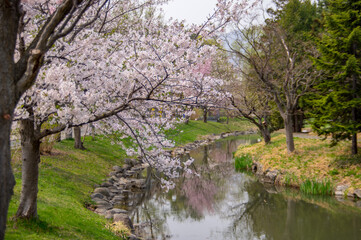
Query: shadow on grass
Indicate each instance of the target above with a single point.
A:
(347, 160)
(35, 225)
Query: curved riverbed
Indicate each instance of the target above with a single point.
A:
(221, 203)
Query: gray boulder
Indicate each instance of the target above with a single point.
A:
(102, 190)
(122, 217)
(97, 195)
(357, 193)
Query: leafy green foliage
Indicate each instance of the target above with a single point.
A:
(244, 162)
(315, 187)
(337, 105)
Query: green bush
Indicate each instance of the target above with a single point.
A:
(243, 162)
(315, 187)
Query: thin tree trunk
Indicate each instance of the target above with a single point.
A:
(92, 129)
(30, 146)
(289, 133)
(354, 114)
(78, 144)
(205, 112)
(187, 120)
(354, 144)
(9, 19)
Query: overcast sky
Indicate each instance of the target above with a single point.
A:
(193, 11)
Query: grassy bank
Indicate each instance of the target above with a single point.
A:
(313, 162)
(67, 178)
(195, 130)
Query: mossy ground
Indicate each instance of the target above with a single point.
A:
(67, 178)
(313, 159)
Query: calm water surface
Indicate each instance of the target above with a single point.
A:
(224, 204)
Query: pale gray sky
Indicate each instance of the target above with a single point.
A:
(195, 11)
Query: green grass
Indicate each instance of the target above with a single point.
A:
(315, 187)
(312, 159)
(66, 181)
(243, 162)
(195, 129)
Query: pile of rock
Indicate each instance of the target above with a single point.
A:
(114, 189)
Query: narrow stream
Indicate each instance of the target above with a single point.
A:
(224, 204)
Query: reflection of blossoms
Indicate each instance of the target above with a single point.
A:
(200, 193)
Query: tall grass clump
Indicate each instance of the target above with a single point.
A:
(315, 187)
(243, 162)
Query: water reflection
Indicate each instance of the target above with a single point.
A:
(223, 204)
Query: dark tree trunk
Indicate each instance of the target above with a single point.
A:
(298, 122)
(187, 120)
(9, 19)
(7, 180)
(266, 135)
(78, 144)
(30, 147)
(354, 113)
(263, 127)
(205, 113)
(289, 133)
(354, 144)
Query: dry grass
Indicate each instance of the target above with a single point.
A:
(313, 159)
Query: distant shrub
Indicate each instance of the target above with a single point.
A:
(222, 119)
(243, 162)
(47, 143)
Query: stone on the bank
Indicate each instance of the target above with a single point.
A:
(130, 162)
(133, 237)
(122, 217)
(270, 176)
(340, 189)
(100, 211)
(106, 184)
(117, 211)
(99, 200)
(104, 205)
(102, 190)
(97, 195)
(357, 193)
(117, 169)
(118, 198)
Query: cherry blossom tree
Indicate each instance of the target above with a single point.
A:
(19, 71)
(61, 35)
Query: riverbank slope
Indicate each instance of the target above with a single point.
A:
(314, 161)
(67, 179)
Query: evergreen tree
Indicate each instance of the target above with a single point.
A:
(337, 104)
